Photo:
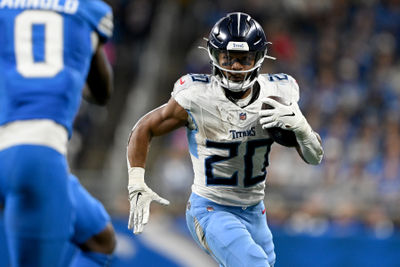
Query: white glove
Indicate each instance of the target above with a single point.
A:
(288, 117)
(140, 197)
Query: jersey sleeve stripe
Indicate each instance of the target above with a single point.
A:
(106, 25)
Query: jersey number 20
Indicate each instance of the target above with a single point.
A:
(52, 61)
(233, 151)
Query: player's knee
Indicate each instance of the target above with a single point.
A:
(103, 242)
(256, 256)
(231, 245)
(251, 256)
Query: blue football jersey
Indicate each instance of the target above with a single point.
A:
(45, 53)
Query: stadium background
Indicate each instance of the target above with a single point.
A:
(345, 57)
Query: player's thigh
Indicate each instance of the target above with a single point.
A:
(231, 242)
(35, 189)
(93, 230)
(255, 220)
(222, 234)
(38, 208)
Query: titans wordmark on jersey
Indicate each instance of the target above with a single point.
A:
(228, 147)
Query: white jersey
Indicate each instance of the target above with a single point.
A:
(228, 147)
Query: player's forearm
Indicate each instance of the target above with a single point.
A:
(159, 121)
(138, 146)
(310, 145)
(100, 78)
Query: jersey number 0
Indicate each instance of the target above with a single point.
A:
(52, 62)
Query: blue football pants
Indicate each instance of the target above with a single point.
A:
(38, 210)
(90, 216)
(45, 206)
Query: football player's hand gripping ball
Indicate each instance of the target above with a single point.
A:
(140, 198)
(288, 117)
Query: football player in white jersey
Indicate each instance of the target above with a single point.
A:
(228, 144)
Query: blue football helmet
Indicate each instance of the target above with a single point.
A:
(237, 37)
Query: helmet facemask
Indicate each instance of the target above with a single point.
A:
(236, 80)
(237, 37)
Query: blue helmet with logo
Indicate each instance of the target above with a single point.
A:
(237, 37)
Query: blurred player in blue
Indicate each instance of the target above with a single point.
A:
(228, 144)
(49, 51)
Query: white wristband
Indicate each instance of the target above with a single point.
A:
(136, 176)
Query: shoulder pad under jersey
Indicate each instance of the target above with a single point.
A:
(285, 83)
(188, 87)
(189, 80)
(100, 16)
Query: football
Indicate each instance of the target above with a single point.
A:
(279, 135)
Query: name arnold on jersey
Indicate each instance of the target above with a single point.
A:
(239, 134)
(69, 6)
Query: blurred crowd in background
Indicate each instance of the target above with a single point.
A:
(345, 57)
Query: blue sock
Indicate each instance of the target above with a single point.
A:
(91, 259)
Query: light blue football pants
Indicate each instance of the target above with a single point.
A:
(234, 236)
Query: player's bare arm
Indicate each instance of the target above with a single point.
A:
(99, 82)
(158, 122)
